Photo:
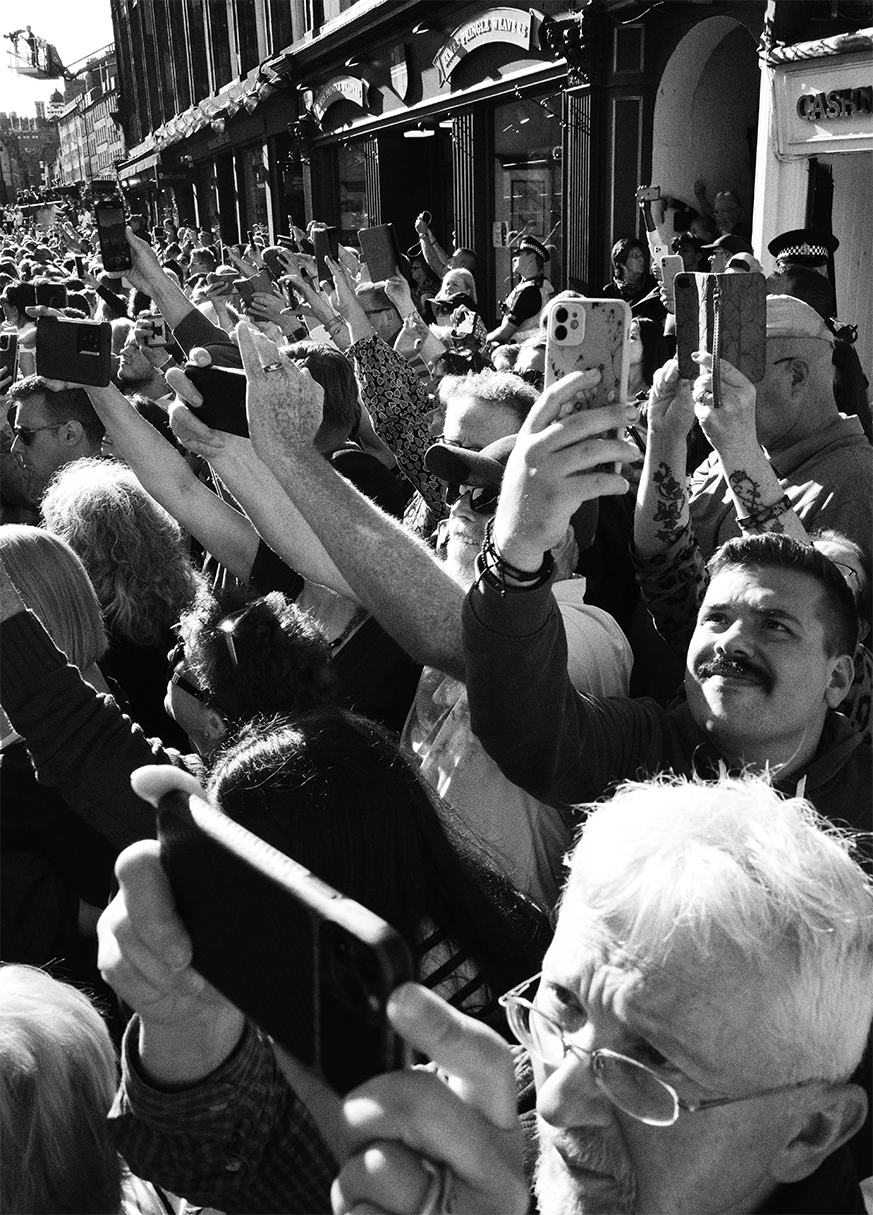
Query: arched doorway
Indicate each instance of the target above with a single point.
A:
(706, 114)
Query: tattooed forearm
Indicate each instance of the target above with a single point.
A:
(757, 517)
(747, 490)
(671, 503)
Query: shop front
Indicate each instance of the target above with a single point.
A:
(817, 164)
(464, 119)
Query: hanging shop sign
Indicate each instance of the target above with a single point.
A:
(341, 88)
(510, 25)
(823, 106)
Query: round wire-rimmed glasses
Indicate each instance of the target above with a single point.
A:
(627, 1083)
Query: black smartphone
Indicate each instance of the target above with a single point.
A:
(80, 267)
(312, 968)
(8, 353)
(51, 295)
(325, 241)
(224, 397)
(380, 251)
(114, 249)
(78, 351)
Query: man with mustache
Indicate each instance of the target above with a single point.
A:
(769, 661)
(687, 1046)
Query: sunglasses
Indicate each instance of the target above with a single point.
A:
(26, 433)
(179, 679)
(483, 498)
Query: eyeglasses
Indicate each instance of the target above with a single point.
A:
(483, 498)
(227, 627)
(26, 433)
(177, 678)
(630, 1085)
(850, 574)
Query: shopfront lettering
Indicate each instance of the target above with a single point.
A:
(837, 103)
(348, 88)
(497, 25)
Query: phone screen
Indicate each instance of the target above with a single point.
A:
(114, 248)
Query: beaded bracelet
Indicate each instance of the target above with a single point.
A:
(495, 569)
(765, 515)
(332, 326)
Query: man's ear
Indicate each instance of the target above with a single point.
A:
(839, 1114)
(72, 433)
(842, 674)
(799, 375)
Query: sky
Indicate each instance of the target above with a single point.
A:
(76, 27)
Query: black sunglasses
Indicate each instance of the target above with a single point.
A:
(26, 433)
(483, 498)
(176, 677)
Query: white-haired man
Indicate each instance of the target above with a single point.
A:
(688, 1045)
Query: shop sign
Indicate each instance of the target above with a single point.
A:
(349, 88)
(510, 25)
(173, 177)
(823, 105)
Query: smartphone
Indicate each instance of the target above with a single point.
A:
(380, 251)
(325, 241)
(51, 295)
(312, 968)
(586, 334)
(669, 265)
(224, 397)
(159, 332)
(248, 286)
(648, 193)
(80, 267)
(78, 351)
(8, 353)
(725, 314)
(114, 249)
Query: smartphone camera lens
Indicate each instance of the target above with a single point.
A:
(89, 341)
(561, 315)
(560, 332)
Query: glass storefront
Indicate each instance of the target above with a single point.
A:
(527, 183)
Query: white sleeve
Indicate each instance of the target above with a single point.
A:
(599, 657)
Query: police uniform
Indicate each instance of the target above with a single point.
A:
(526, 301)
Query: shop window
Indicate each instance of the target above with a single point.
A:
(246, 15)
(219, 37)
(527, 184)
(313, 15)
(197, 50)
(353, 192)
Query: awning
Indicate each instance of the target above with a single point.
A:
(132, 168)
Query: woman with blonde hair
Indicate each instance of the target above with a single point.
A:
(137, 559)
(58, 1076)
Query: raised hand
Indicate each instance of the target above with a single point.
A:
(283, 402)
(562, 457)
(670, 407)
(730, 425)
(414, 1133)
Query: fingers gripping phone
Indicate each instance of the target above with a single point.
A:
(312, 968)
(224, 397)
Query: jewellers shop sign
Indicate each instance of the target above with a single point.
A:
(824, 106)
(511, 25)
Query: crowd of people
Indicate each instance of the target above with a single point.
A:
(577, 699)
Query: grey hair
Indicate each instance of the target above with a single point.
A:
(683, 860)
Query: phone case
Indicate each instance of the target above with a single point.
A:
(224, 397)
(247, 286)
(313, 968)
(583, 334)
(74, 350)
(726, 315)
(8, 353)
(325, 243)
(380, 251)
(114, 248)
(671, 264)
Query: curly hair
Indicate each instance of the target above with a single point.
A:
(283, 661)
(132, 549)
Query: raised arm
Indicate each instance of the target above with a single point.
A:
(395, 576)
(757, 493)
(163, 472)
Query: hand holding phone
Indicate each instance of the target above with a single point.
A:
(114, 249)
(313, 968)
